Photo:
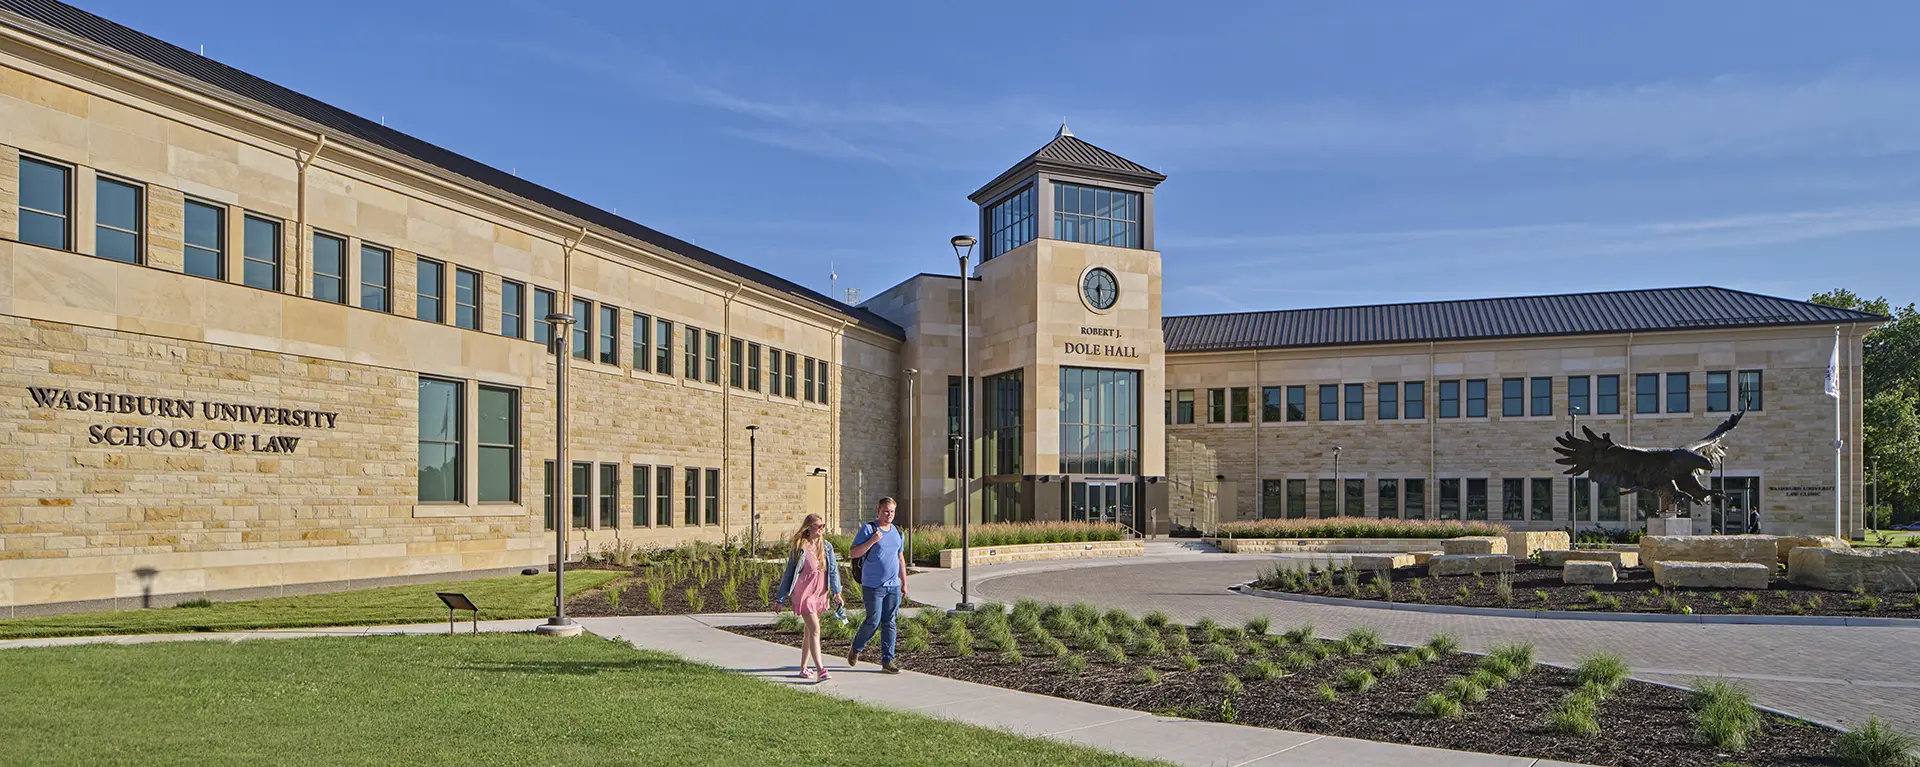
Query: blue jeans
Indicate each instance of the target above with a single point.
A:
(883, 606)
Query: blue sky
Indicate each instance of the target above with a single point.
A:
(1371, 152)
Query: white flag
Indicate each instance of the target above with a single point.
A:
(1833, 368)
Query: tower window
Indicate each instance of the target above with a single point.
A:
(1095, 215)
(1010, 222)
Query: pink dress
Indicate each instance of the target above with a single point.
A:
(809, 586)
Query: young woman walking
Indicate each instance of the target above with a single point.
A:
(811, 581)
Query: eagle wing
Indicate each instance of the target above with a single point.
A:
(1599, 457)
(1709, 446)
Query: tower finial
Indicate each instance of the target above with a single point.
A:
(1064, 131)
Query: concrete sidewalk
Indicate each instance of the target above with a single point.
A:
(1181, 741)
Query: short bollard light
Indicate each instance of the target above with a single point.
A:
(459, 602)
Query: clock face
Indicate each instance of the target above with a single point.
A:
(1100, 289)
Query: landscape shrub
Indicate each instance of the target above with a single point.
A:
(1353, 528)
(1574, 715)
(1604, 668)
(1875, 744)
(928, 540)
(1356, 679)
(1724, 715)
(1440, 706)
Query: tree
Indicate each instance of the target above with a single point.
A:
(1890, 362)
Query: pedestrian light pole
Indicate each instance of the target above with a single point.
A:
(963, 247)
(913, 441)
(753, 490)
(1339, 488)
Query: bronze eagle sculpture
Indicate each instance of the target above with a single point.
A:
(1672, 472)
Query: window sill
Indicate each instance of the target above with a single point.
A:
(447, 510)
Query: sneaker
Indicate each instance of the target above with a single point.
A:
(853, 658)
(890, 667)
(823, 675)
(806, 673)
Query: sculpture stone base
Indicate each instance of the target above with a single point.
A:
(1670, 526)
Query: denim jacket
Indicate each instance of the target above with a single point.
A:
(793, 570)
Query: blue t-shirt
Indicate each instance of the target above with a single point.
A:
(882, 564)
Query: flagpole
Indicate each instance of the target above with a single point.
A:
(1833, 376)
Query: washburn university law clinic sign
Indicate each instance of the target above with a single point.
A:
(171, 407)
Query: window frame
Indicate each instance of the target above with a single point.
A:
(754, 353)
(1329, 402)
(663, 335)
(384, 289)
(609, 335)
(219, 248)
(1183, 407)
(458, 442)
(1387, 401)
(1725, 393)
(691, 496)
(691, 351)
(793, 375)
(542, 329)
(1384, 489)
(1413, 400)
(1087, 227)
(642, 496)
(1216, 405)
(713, 358)
(737, 363)
(476, 284)
(1449, 398)
(712, 496)
(278, 247)
(1476, 398)
(102, 181)
(1297, 405)
(1679, 398)
(1646, 401)
(1513, 499)
(1758, 399)
(640, 339)
(514, 307)
(826, 372)
(1540, 396)
(339, 281)
(1474, 504)
(607, 495)
(1273, 404)
(1239, 406)
(1354, 402)
(436, 300)
(511, 446)
(663, 496)
(1605, 403)
(1581, 402)
(1540, 504)
(68, 201)
(1513, 397)
(581, 334)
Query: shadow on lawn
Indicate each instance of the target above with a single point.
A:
(568, 667)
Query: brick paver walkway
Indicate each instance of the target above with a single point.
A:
(1835, 674)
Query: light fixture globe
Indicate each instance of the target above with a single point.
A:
(962, 241)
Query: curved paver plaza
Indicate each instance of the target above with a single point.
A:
(1834, 674)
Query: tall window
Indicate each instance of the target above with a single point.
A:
(663, 347)
(1183, 406)
(713, 496)
(329, 268)
(1099, 421)
(793, 362)
(1476, 499)
(1449, 499)
(1356, 498)
(466, 299)
(1329, 499)
(260, 264)
(376, 278)
(609, 495)
(1449, 399)
(1678, 395)
(1719, 399)
(582, 487)
(430, 282)
(1329, 402)
(1389, 404)
(663, 496)
(1513, 397)
(1010, 222)
(582, 335)
(810, 380)
(1416, 399)
(1296, 403)
(117, 220)
(773, 371)
(1096, 215)
(1541, 396)
(46, 193)
(1237, 404)
(1646, 393)
(824, 369)
(1477, 398)
(642, 495)
(1579, 395)
(1750, 390)
(1296, 498)
(1272, 404)
(609, 334)
(1273, 496)
(753, 367)
(693, 354)
(1168, 393)
(1607, 398)
(737, 363)
(1389, 498)
(1542, 499)
(547, 469)
(440, 429)
(691, 498)
(205, 239)
(1004, 395)
(1356, 402)
(1609, 503)
(1513, 499)
(1415, 504)
(713, 358)
(1216, 406)
(499, 444)
(542, 306)
(642, 339)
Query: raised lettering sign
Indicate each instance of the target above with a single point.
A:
(119, 435)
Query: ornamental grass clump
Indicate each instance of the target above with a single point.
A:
(1490, 678)
(1440, 706)
(1012, 657)
(1258, 625)
(1876, 744)
(657, 596)
(1054, 647)
(1354, 528)
(1148, 676)
(1254, 649)
(1603, 668)
(1262, 670)
(1177, 640)
(1356, 679)
(1518, 655)
(1503, 589)
(1150, 646)
(960, 638)
(1074, 664)
(1219, 653)
(763, 588)
(1723, 714)
(1230, 684)
(928, 540)
(1189, 663)
(695, 603)
(613, 595)
(1084, 613)
(1300, 634)
(1464, 690)
(1155, 619)
(1325, 693)
(788, 623)
(1574, 715)
(1363, 639)
(914, 643)
(1113, 654)
(1386, 667)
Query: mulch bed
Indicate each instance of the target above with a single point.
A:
(634, 599)
(1636, 593)
(1642, 725)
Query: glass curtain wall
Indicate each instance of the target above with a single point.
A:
(1099, 421)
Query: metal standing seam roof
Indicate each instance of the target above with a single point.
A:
(1070, 151)
(336, 121)
(1517, 317)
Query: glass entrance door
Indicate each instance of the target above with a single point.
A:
(1098, 501)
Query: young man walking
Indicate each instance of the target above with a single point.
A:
(883, 583)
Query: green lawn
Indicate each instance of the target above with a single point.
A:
(490, 699)
(523, 596)
(1896, 539)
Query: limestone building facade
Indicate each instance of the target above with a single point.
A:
(252, 345)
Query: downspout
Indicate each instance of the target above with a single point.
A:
(1433, 421)
(1633, 390)
(833, 416)
(1259, 481)
(303, 241)
(726, 413)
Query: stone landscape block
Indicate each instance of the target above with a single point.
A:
(1377, 562)
(1785, 544)
(1422, 557)
(1562, 558)
(1590, 572)
(1712, 575)
(1523, 544)
(1656, 550)
(1469, 564)
(1876, 570)
(1475, 544)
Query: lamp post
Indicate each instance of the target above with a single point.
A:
(1573, 505)
(913, 441)
(560, 625)
(1339, 489)
(753, 489)
(963, 247)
